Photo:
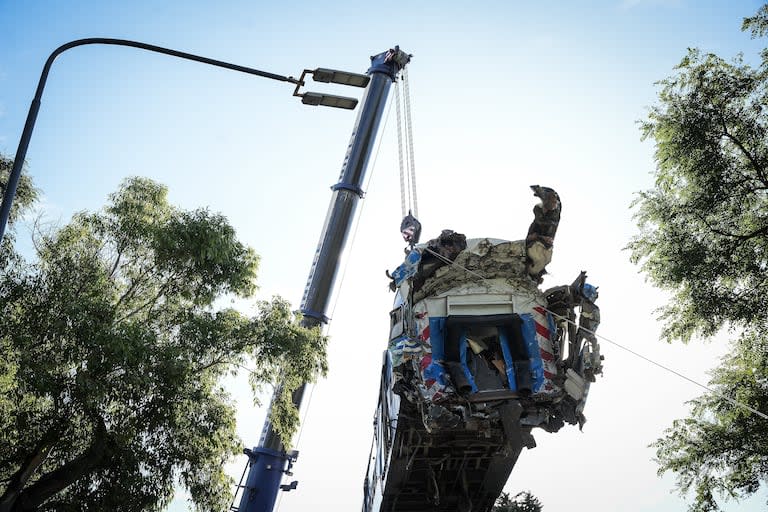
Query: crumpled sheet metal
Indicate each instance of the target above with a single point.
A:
(484, 260)
(439, 357)
(487, 267)
(541, 233)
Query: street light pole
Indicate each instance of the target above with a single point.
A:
(21, 152)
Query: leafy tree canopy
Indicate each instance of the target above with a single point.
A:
(704, 226)
(704, 237)
(521, 502)
(111, 358)
(26, 194)
(721, 449)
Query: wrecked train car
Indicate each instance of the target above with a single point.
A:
(478, 356)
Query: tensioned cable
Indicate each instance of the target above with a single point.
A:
(403, 191)
(406, 158)
(409, 140)
(619, 345)
(341, 284)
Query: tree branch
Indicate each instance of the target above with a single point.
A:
(150, 302)
(217, 361)
(117, 262)
(131, 289)
(761, 231)
(758, 168)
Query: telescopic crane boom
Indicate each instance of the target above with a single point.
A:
(270, 460)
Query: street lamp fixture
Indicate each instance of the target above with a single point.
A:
(309, 98)
(335, 76)
(328, 100)
(330, 76)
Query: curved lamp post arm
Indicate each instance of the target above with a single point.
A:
(21, 152)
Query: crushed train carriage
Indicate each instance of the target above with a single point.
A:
(478, 356)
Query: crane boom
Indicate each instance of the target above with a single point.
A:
(270, 460)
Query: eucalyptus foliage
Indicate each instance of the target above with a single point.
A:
(112, 358)
(704, 237)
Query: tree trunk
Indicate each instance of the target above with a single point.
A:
(56, 481)
(32, 462)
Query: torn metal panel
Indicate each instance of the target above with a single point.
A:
(541, 233)
(486, 264)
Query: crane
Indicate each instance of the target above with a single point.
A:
(270, 460)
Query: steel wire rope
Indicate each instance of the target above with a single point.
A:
(409, 141)
(619, 345)
(403, 192)
(406, 159)
(340, 285)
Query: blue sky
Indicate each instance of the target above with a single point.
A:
(505, 94)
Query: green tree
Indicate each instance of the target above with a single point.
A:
(521, 502)
(26, 194)
(112, 355)
(704, 237)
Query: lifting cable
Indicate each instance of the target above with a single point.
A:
(409, 131)
(404, 195)
(410, 227)
(619, 345)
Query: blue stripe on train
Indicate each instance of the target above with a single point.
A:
(463, 352)
(532, 346)
(508, 362)
(435, 369)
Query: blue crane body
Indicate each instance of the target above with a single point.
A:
(270, 460)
